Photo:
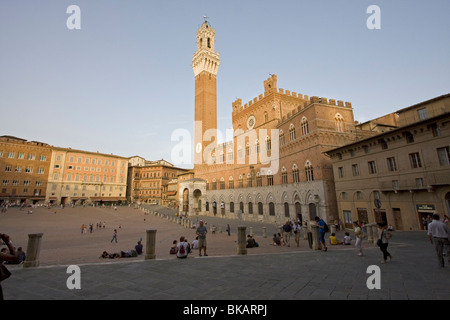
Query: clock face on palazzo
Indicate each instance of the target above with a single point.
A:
(251, 122)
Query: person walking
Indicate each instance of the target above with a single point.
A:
(201, 233)
(359, 237)
(11, 257)
(287, 233)
(383, 241)
(438, 233)
(114, 236)
(297, 227)
(321, 225)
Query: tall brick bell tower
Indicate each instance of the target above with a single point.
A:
(205, 63)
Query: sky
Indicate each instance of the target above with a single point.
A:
(123, 83)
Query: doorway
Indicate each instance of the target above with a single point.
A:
(397, 218)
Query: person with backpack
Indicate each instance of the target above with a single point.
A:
(182, 248)
(323, 228)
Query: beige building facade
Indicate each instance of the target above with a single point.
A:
(398, 176)
(77, 177)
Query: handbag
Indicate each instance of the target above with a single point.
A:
(4, 272)
(379, 242)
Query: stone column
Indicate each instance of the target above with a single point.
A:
(33, 250)
(369, 232)
(264, 231)
(315, 237)
(242, 241)
(151, 243)
(375, 233)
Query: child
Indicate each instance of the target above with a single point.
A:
(347, 239)
(333, 240)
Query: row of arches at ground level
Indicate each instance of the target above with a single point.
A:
(260, 208)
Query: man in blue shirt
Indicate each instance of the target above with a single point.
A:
(321, 225)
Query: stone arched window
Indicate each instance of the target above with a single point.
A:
(305, 127)
(230, 182)
(295, 175)
(309, 171)
(284, 178)
(339, 121)
(281, 138)
(291, 132)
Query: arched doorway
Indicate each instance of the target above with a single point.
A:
(186, 200)
(197, 201)
(298, 212)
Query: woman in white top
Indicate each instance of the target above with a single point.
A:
(359, 236)
(182, 249)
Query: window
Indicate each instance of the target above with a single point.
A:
(270, 180)
(281, 138)
(348, 217)
(444, 156)
(5, 182)
(31, 157)
(339, 122)
(291, 132)
(20, 156)
(359, 195)
(26, 182)
(295, 175)
(29, 169)
(344, 195)
(222, 185)
(409, 137)
(258, 181)
(284, 177)
(271, 209)
(304, 125)
(423, 114)
(268, 144)
(40, 171)
(309, 171)
(250, 208)
(266, 117)
(436, 130)
(8, 169)
(372, 167)
(249, 181)
(231, 206)
(260, 208)
(286, 210)
(414, 158)
(231, 184)
(18, 169)
(392, 166)
(341, 172)
(355, 170)
(10, 155)
(383, 144)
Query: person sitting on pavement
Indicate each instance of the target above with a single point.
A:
(250, 242)
(276, 240)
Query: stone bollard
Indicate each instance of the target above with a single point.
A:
(242, 241)
(150, 252)
(333, 228)
(315, 237)
(33, 249)
(264, 230)
(369, 232)
(251, 231)
(305, 232)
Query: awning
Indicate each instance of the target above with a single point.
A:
(171, 193)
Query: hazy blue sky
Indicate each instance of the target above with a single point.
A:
(123, 83)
